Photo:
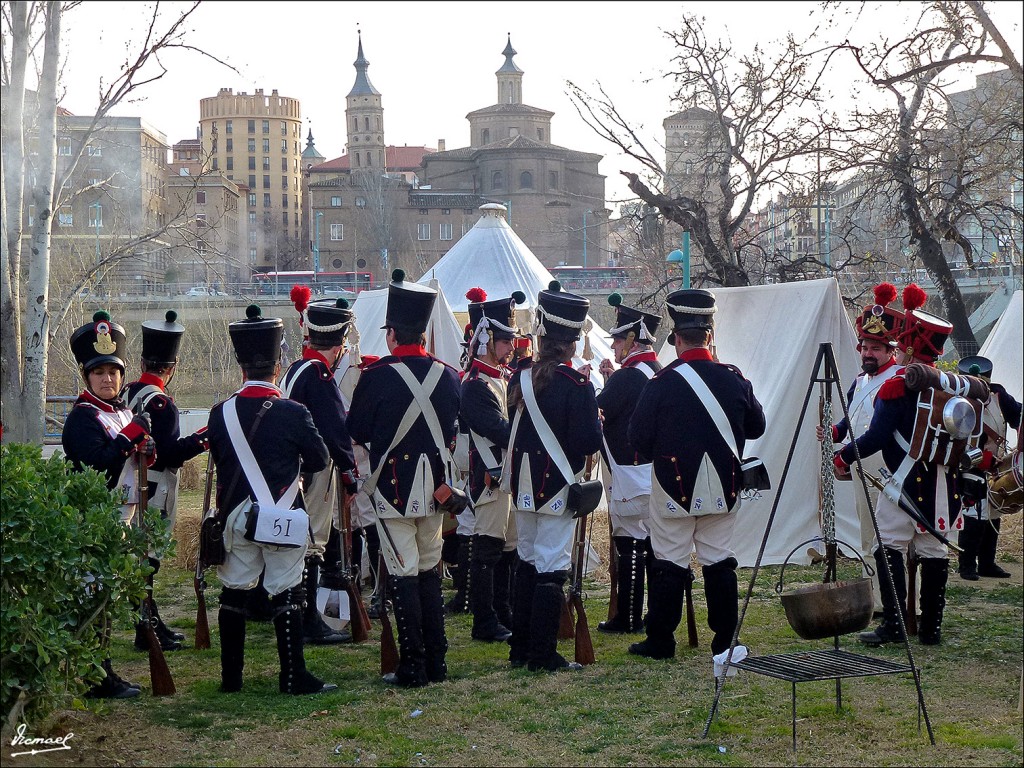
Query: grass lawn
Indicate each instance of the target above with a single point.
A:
(622, 710)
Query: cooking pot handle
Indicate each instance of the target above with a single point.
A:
(868, 568)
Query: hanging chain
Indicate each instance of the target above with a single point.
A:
(828, 497)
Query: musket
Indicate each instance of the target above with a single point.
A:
(910, 617)
(691, 620)
(903, 501)
(358, 617)
(613, 573)
(199, 580)
(159, 674)
(388, 649)
(584, 645)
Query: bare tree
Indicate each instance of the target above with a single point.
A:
(26, 329)
(763, 124)
(944, 164)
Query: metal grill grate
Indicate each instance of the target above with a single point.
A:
(819, 665)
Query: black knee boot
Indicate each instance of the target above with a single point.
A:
(486, 554)
(168, 641)
(231, 622)
(408, 613)
(373, 556)
(934, 574)
(356, 565)
(164, 632)
(722, 593)
(460, 602)
(314, 629)
(987, 550)
(435, 644)
(522, 614)
(504, 586)
(545, 618)
(890, 630)
(664, 610)
(331, 575)
(293, 678)
(969, 541)
(257, 603)
(630, 556)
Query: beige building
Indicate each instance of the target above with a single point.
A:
(255, 141)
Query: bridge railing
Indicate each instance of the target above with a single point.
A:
(57, 409)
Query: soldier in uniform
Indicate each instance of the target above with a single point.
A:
(484, 416)
(933, 487)
(878, 327)
(404, 410)
(310, 381)
(627, 478)
(161, 340)
(568, 416)
(101, 433)
(284, 442)
(980, 534)
(692, 421)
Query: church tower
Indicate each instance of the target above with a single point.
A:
(510, 78)
(364, 117)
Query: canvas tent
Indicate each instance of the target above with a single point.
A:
(444, 335)
(772, 334)
(493, 257)
(1003, 347)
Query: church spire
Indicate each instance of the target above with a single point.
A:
(510, 77)
(362, 85)
(364, 118)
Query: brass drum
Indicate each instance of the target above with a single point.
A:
(1005, 486)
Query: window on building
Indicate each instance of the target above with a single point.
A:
(497, 180)
(266, 146)
(540, 134)
(64, 146)
(284, 128)
(424, 211)
(688, 170)
(201, 197)
(526, 180)
(423, 231)
(96, 215)
(252, 162)
(552, 179)
(31, 215)
(252, 199)
(336, 201)
(445, 231)
(284, 146)
(227, 127)
(200, 248)
(266, 126)
(251, 145)
(369, 159)
(284, 222)
(95, 176)
(284, 202)
(252, 126)
(266, 199)
(446, 211)
(252, 218)
(266, 181)
(284, 182)
(215, 165)
(337, 231)
(355, 123)
(485, 136)
(284, 165)
(468, 211)
(252, 254)
(266, 163)
(252, 235)
(66, 217)
(94, 150)
(230, 145)
(231, 163)
(252, 181)
(366, 123)
(360, 202)
(200, 219)
(513, 132)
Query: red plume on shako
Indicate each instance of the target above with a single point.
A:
(476, 294)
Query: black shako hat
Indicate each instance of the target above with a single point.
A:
(500, 313)
(642, 325)
(161, 339)
(691, 308)
(975, 365)
(561, 316)
(101, 341)
(328, 322)
(257, 339)
(409, 304)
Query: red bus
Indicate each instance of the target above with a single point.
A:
(326, 283)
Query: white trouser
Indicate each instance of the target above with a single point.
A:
(246, 560)
(545, 541)
(495, 519)
(418, 539)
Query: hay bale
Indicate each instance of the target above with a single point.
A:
(186, 536)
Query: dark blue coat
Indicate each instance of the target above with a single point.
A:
(617, 400)
(285, 442)
(86, 442)
(380, 401)
(481, 412)
(316, 389)
(569, 406)
(672, 429)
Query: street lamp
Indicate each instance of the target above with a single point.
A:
(316, 247)
(682, 257)
(585, 213)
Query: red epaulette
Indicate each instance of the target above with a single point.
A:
(894, 388)
(159, 402)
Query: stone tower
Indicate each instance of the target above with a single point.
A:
(364, 117)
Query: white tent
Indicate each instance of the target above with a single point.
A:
(1003, 347)
(493, 257)
(444, 335)
(772, 334)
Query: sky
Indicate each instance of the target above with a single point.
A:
(433, 62)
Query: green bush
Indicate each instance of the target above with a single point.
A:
(67, 567)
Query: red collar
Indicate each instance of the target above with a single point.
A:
(409, 350)
(151, 378)
(259, 389)
(699, 353)
(314, 354)
(110, 406)
(484, 368)
(887, 366)
(647, 356)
